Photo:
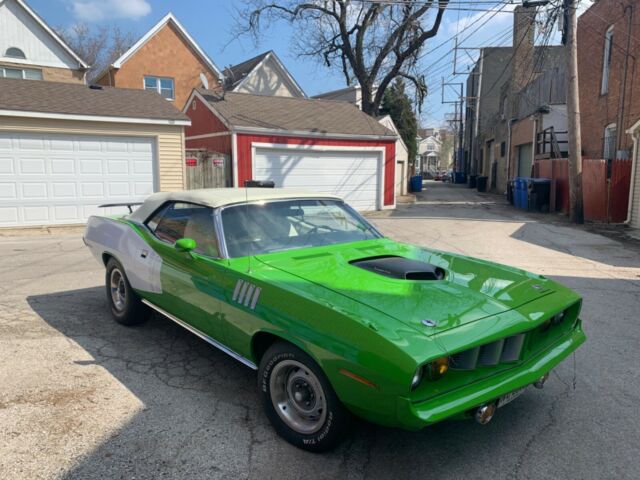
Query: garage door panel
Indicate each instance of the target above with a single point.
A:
(32, 166)
(34, 190)
(7, 166)
(66, 180)
(118, 167)
(32, 143)
(63, 190)
(8, 190)
(8, 215)
(90, 166)
(354, 176)
(62, 166)
(92, 189)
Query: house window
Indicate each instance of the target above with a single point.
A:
(15, 52)
(430, 147)
(164, 86)
(606, 66)
(503, 149)
(23, 73)
(610, 140)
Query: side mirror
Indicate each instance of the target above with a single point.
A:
(185, 245)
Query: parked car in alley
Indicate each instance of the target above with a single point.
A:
(337, 319)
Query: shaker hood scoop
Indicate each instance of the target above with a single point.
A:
(469, 289)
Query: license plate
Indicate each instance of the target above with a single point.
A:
(510, 397)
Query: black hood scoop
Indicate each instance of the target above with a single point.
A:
(400, 267)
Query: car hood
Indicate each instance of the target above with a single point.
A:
(471, 290)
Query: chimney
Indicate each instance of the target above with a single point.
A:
(524, 30)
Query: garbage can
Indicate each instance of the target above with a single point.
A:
(523, 193)
(510, 191)
(416, 183)
(539, 194)
(482, 183)
(460, 177)
(472, 181)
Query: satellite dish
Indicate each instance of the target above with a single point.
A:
(205, 82)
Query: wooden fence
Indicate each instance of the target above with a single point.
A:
(605, 187)
(207, 169)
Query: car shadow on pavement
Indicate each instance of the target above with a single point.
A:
(200, 415)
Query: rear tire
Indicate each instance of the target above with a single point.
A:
(126, 307)
(299, 400)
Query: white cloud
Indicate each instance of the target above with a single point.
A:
(97, 10)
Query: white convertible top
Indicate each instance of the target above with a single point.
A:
(220, 197)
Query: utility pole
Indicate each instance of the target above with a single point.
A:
(576, 213)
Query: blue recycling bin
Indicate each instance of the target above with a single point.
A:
(416, 183)
(523, 193)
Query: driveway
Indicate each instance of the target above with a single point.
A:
(82, 397)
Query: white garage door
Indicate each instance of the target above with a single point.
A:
(48, 179)
(354, 176)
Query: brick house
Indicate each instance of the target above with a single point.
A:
(31, 50)
(513, 94)
(167, 60)
(608, 49)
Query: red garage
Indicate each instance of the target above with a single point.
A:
(321, 145)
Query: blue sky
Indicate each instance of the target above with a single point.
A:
(210, 23)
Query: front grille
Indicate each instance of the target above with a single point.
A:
(504, 350)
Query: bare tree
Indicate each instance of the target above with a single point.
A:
(371, 42)
(98, 47)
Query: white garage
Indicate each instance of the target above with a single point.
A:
(48, 179)
(354, 176)
(65, 149)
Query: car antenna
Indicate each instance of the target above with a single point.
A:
(246, 210)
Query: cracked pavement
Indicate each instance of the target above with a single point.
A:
(82, 397)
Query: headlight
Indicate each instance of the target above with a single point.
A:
(437, 369)
(558, 318)
(417, 378)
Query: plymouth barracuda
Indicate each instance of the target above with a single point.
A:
(337, 319)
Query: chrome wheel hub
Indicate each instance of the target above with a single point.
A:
(297, 396)
(118, 290)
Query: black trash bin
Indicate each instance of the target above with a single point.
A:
(481, 183)
(510, 189)
(472, 181)
(539, 196)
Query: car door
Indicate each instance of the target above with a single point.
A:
(191, 281)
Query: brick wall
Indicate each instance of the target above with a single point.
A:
(166, 54)
(621, 105)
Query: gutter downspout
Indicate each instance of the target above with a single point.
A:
(624, 81)
(510, 126)
(474, 146)
(634, 168)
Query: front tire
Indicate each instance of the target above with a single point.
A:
(299, 400)
(126, 307)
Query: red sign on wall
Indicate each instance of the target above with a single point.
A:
(191, 162)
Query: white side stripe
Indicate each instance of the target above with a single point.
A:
(255, 298)
(243, 290)
(237, 290)
(247, 297)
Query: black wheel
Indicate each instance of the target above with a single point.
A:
(126, 307)
(299, 401)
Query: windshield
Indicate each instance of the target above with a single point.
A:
(253, 229)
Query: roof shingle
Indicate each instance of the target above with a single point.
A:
(75, 99)
(294, 114)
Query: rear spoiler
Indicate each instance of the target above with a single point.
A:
(125, 204)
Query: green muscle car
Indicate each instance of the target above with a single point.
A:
(337, 319)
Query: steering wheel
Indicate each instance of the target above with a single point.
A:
(318, 227)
